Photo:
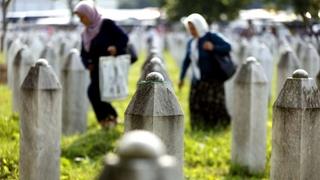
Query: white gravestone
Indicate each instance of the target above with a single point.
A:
(40, 124)
(250, 116)
(295, 130)
(288, 63)
(75, 81)
(141, 156)
(155, 108)
(22, 63)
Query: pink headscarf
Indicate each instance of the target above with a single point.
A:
(88, 9)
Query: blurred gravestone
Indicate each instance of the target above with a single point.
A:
(75, 81)
(50, 54)
(153, 53)
(154, 107)
(250, 116)
(14, 48)
(141, 156)
(177, 45)
(156, 65)
(64, 49)
(22, 63)
(7, 43)
(40, 124)
(265, 58)
(311, 61)
(36, 45)
(287, 64)
(229, 88)
(295, 130)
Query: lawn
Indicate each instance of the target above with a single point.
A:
(207, 153)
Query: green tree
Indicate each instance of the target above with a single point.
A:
(212, 10)
(134, 4)
(301, 7)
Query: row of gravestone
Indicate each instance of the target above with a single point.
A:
(54, 48)
(250, 151)
(296, 119)
(251, 86)
(154, 107)
(293, 145)
(268, 50)
(21, 52)
(73, 76)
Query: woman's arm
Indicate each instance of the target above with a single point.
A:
(186, 62)
(86, 61)
(120, 38)
(220, 45)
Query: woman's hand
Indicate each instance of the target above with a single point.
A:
(208, 46)
(90, 67)
(112, 50)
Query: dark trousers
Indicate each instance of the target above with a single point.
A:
(101, 109)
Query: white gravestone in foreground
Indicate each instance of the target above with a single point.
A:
(295, 130)
(40, 124)
(141, 156)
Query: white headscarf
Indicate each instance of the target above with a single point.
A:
(202, 28)
(199, 23)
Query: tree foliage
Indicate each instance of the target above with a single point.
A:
(134, 4)
(212, 10)
(300, 7)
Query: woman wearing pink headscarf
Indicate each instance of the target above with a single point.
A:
(101, 37)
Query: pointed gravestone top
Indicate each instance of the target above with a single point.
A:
(288, 57)
(300, 73)
(251, 72)
(73, 61)
(41, 77)
(154, 77)
(155, 65)
(297, 91)
(140, 144)
(156, 60)
(154, 98)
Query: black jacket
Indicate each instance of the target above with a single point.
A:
(109, 35)
(209, 68)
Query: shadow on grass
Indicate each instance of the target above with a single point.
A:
(202, 131)
(93, 144)
(238, 172)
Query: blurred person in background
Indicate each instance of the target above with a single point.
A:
(207, 96)
(101, 37)
(250, 31)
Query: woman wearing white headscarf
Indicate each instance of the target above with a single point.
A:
(207, 98)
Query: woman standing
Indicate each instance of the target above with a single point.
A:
(101, 37)
(207, 98)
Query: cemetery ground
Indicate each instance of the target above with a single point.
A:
(207, 153)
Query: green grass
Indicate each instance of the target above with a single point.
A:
(207, 153)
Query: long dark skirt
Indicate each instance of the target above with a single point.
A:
(207, 105)
(101, 109)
